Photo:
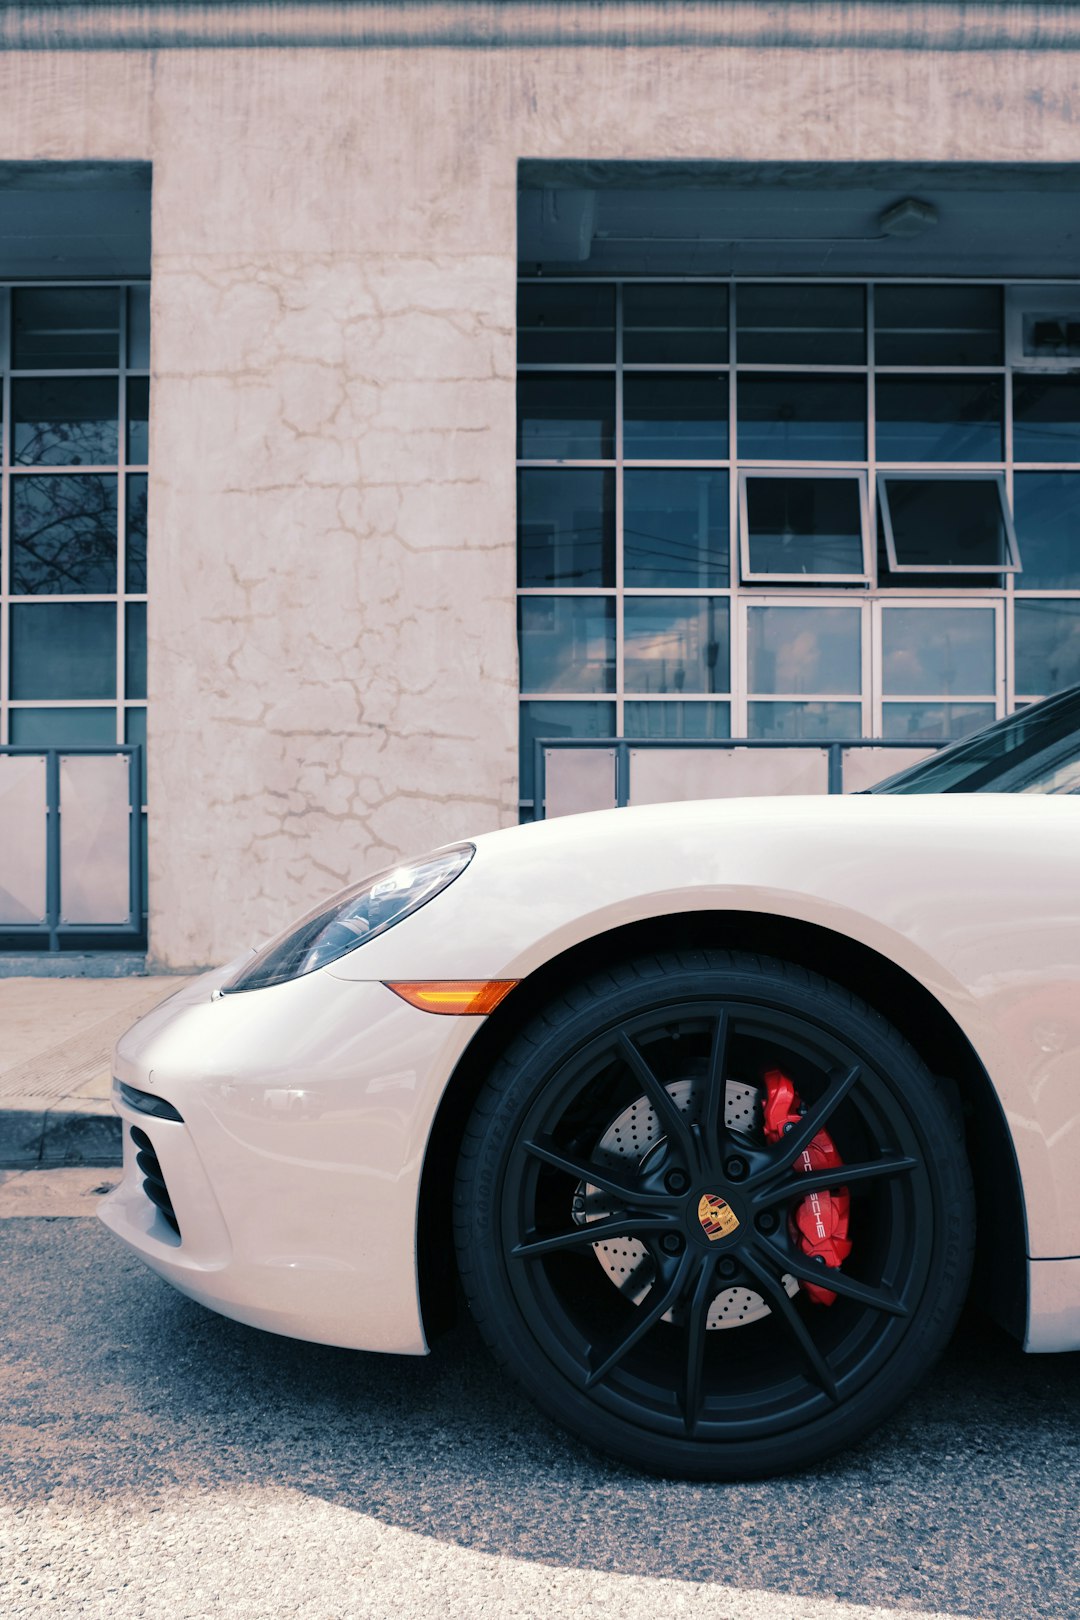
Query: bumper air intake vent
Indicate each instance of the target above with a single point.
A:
(153, 1180)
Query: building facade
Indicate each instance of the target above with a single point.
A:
(391, 392)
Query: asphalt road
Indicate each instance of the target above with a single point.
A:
(156, 1460)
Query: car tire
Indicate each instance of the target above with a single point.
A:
(623, 1126)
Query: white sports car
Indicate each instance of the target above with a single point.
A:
(709, 1108)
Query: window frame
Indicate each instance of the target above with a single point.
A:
(750, 576)
(933, 474)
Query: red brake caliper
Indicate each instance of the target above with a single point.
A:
(820, 1222)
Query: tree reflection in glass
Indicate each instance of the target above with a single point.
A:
(63, 535)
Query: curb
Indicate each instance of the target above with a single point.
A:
(33, 1137)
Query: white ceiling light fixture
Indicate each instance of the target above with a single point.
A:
(908, 218)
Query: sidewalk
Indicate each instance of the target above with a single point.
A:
(56, 1041)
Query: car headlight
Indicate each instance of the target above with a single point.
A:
(351, 917)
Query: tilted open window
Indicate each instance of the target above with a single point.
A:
(799, 525)
(947, 523)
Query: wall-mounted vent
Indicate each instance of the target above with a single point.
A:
(1042, 327)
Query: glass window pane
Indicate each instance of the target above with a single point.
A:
(940, 418)
(675, 526)
(565, 322)
(939, 649)
(61, 728)
(135, 650)
(63, 650)
(63, 535)
(138, 420)
(1047, 646)
(937, 326)
(801, 418)
(1048, 530)
(65, 421)
(689, 720)
(138, 354)
(566, 418)
(135, 566)
(65, 328)
(805, 649)
(679, 322)
(566, 526)
(933, 722)
(559, 720)
(804, 722)
(567, 643)
(676, 644)
(1046, 419)
(805, 525)
(135, 732)
(799, 326)
(675, 417)
(947, 522)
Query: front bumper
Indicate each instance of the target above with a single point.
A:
(294, 1170)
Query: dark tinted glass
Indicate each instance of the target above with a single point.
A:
(64, 421)
(675, 526)
(138, 353)
(566, 526)
(804, 722)
(937, 326)
(565, 323)
(63, 534)
(135, 732)
(663, 323)
(940, 418)
(135, 650)
(566, 418)
(1048, 530)
(63, 650)
(1047, 646)
(693, 721)
(540, 719)
(1046, 419)
(947, 522)
(676, 644)
(801, 418)
(136, 532)
(138, 420)
(681, 417)
(799, 326)
(804, 525)
(65, 328)
(567, 643)
(62, 728)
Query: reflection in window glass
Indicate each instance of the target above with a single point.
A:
(1048, 530)
(675, 526)
(947, 522)
(804, 525)
(552, 720)
(1046, 419)
(135, 566)
(65, 328)
(62, 728)
(676, 644)
(933, 722)
(566, 526)
(683, 322)
(692, 721)
(675, 418)
(937, 326)
(938, 649)
(800, 326)
(566, 418)
(64, 421)
(135, 650)
(567, 643)
(63, 650)
(804, 722)
(940, 418)
(801, 418)
(805, 649)
(1047, 646)
(565, 322)
(63, 534)
(138, 420)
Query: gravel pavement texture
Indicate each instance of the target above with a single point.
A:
(160, 1461)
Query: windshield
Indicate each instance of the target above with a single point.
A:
(1034, 751)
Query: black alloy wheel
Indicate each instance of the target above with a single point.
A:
(626, 1231)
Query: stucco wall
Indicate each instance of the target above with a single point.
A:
(332, 658)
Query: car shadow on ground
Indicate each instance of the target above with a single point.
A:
(965, 1502)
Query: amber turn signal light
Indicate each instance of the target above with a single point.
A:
(452, 995)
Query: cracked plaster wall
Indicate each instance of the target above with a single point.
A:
(332, 660)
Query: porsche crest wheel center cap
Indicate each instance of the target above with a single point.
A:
(716, 1217)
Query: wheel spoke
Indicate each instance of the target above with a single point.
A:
(841, 1175)
(648, 1315)
(877, 1299)
(597, 1176)
(580, 1237)
(696, 1329)
(783, 1307)
(712, 1114)
(673, 1122)
(816, 1117)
